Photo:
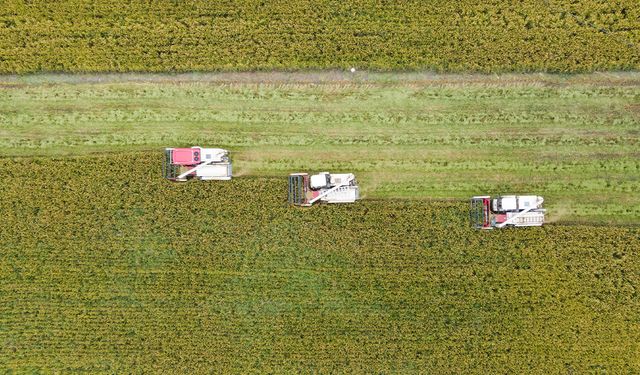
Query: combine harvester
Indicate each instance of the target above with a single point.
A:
(181, 164)
(305, 190)
(507, 210)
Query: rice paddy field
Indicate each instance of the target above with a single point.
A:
(246, 35)
(107, 268)
(573, 139)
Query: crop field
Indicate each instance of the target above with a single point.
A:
(444, 36)
(106, 267)
(574, 140)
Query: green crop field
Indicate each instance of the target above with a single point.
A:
(575, 140)
(106, 267)
(440, 35)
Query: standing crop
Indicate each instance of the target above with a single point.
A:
(493, 36)
(108, 267)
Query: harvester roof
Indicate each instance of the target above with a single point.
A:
(185, 156)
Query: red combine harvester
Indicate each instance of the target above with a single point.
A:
(181, 164)
(506, 210)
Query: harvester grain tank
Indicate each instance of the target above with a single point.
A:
(305, 190)
(507, 210)
(181, 164)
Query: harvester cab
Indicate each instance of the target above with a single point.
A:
(506, 210)
(181, 164)
(305, 190)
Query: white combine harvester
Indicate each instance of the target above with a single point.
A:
(507, 210)
(181, 164)
(305, 190)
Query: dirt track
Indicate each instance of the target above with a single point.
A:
(335, 76)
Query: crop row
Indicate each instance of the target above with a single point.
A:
(79, 36)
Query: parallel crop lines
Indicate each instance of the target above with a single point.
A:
(81, 36)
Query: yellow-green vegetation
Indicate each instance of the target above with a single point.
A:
(573, 140)
(202, 35)
(107, 267)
